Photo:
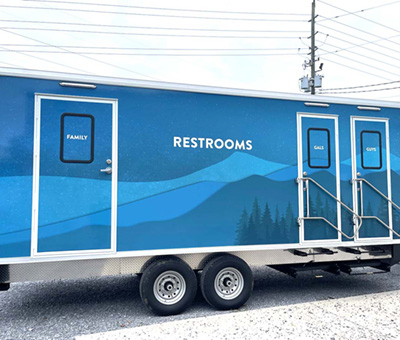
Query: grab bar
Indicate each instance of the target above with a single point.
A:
(355, 216)
(360, 181)
(378, 191)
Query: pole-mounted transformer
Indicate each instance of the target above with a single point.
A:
(309, 84)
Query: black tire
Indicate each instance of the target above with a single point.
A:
(168, 286)
(226, 282)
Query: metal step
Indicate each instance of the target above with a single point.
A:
(300, 253)
(4, 287)
(382, 267)
(335, 268)
(316, 251)
(351, 250)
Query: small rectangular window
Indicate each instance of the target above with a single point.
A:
(319, 148)
(371, 149)
(77, 138)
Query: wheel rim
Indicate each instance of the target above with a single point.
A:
(169, 287)
(229, 283)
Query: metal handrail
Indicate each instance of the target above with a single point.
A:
(383, 223)
(385, 197)
(330, 194)
(330, 223)
(338, 201)
(377, 190)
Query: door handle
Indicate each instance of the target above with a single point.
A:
(107, 170)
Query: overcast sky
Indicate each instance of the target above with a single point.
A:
(276, 30)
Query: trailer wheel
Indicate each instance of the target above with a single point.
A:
(226, 282)
(168, 286)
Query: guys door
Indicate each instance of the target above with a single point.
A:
(75, 164)
(371, 171)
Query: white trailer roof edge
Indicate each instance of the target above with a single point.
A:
(104, 80)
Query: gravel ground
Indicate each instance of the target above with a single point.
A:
(65, 309)
(373, 316)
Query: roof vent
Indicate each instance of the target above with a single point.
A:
(368, 108)
(79, 85)
(317, 104)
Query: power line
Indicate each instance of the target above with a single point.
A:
(78, 54)
(149, 34)
(3, 62)
(147, 27)
(159, 54)
(150, 14)
(50, 61)
(362, 46)
(365, 48)
(62, 73)
(165, 9)
(360, 30)
(362, 39)
(365, 64)
(152, 48)
(348, 13)
(359, 16)
(360, 86)
(78, 17)
(365, 56)
(375, 90)
(356, 69)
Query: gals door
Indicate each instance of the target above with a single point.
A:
(318, 177)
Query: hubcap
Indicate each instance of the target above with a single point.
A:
(169, 287)
(229, 283)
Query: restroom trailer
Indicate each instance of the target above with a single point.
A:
(104, 176)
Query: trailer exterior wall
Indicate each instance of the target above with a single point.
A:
(194, 170)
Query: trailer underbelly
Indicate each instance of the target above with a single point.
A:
(74, 269)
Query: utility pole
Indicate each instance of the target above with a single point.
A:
(312, 61)
(307, 84)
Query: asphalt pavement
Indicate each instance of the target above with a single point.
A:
(70, 308)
